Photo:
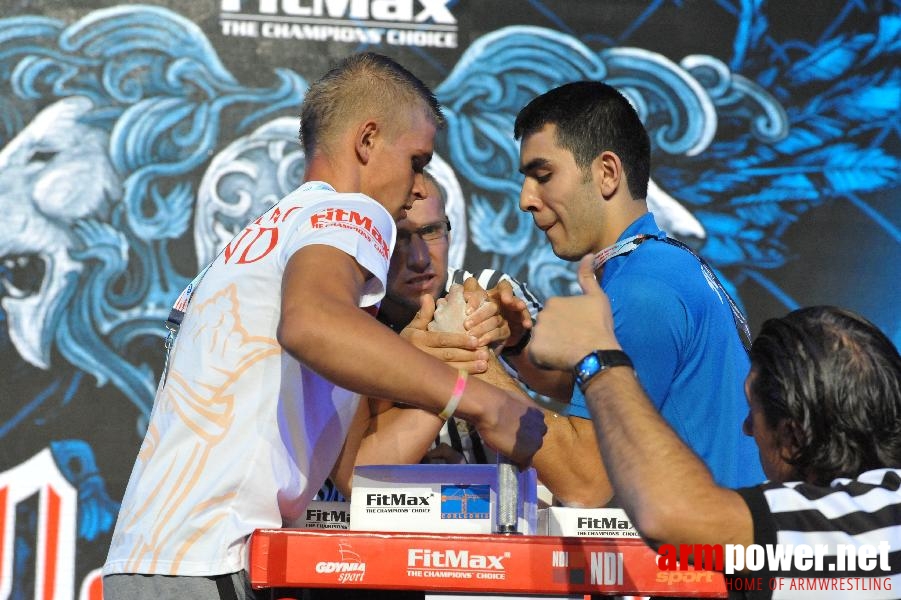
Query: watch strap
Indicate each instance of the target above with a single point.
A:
(597, 362)
(517, 348)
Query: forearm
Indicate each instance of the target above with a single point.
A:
(569, 463)
(661, 484)
(547, 382)
(353, 350)
(384, 434)
(399, 436)
(343, 470)
(324, 329)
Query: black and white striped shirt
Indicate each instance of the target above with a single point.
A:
(490, 278)
(861, 511)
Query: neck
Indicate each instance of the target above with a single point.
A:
(621, 213)
(338, 172)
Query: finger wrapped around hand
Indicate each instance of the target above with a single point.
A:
(474, 294)
(512, 309)
(488, 325)
(426, 313)
(424, 339)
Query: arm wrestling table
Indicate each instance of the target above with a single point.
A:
(472, 563)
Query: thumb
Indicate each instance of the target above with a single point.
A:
(587, 280)
(426, 311)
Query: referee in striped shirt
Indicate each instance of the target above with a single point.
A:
(824, 397)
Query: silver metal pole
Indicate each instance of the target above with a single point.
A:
(508, 500)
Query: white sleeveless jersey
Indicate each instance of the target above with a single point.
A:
(241, 435)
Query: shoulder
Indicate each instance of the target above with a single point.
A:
(660, 257)
(646, 294)
(313, 194)
(870, 493)
(658, 271)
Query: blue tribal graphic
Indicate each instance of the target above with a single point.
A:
(129, 154)
(728, 143)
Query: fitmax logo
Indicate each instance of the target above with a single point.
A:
(454, 559)
(410, 11)
(603, 523)
(396, 500)
(315, 514)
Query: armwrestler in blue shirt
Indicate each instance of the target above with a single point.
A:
(677, 328)
(585, 156)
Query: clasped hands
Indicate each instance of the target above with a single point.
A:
(491, 320)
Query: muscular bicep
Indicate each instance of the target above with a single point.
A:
(317, 277)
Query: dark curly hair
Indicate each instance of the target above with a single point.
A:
(836, 379)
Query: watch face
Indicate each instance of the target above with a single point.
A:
(598, 361)
(588, 366)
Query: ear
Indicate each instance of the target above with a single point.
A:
(364, 140)
(790, 437)
(607, 170)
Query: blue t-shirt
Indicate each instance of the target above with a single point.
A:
(681, 337)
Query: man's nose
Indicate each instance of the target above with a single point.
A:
(419, 191)
(418, 253)
(528, 197)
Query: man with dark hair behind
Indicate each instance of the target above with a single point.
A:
(586, 159)
(824, 397)
(277, 343)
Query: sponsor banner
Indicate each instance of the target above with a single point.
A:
(435, 499)
(39, 507)
(596, 522)
(414, 23)
(324, 515)
(485, 563)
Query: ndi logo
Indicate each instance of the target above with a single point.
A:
(394, 22)
(465, 501)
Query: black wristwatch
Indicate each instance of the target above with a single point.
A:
(599, 361)
(517, 348)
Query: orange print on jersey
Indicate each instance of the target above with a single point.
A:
(256, 241)
(205, 406)
(252, 247)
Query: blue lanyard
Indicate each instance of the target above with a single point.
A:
(629, 244)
